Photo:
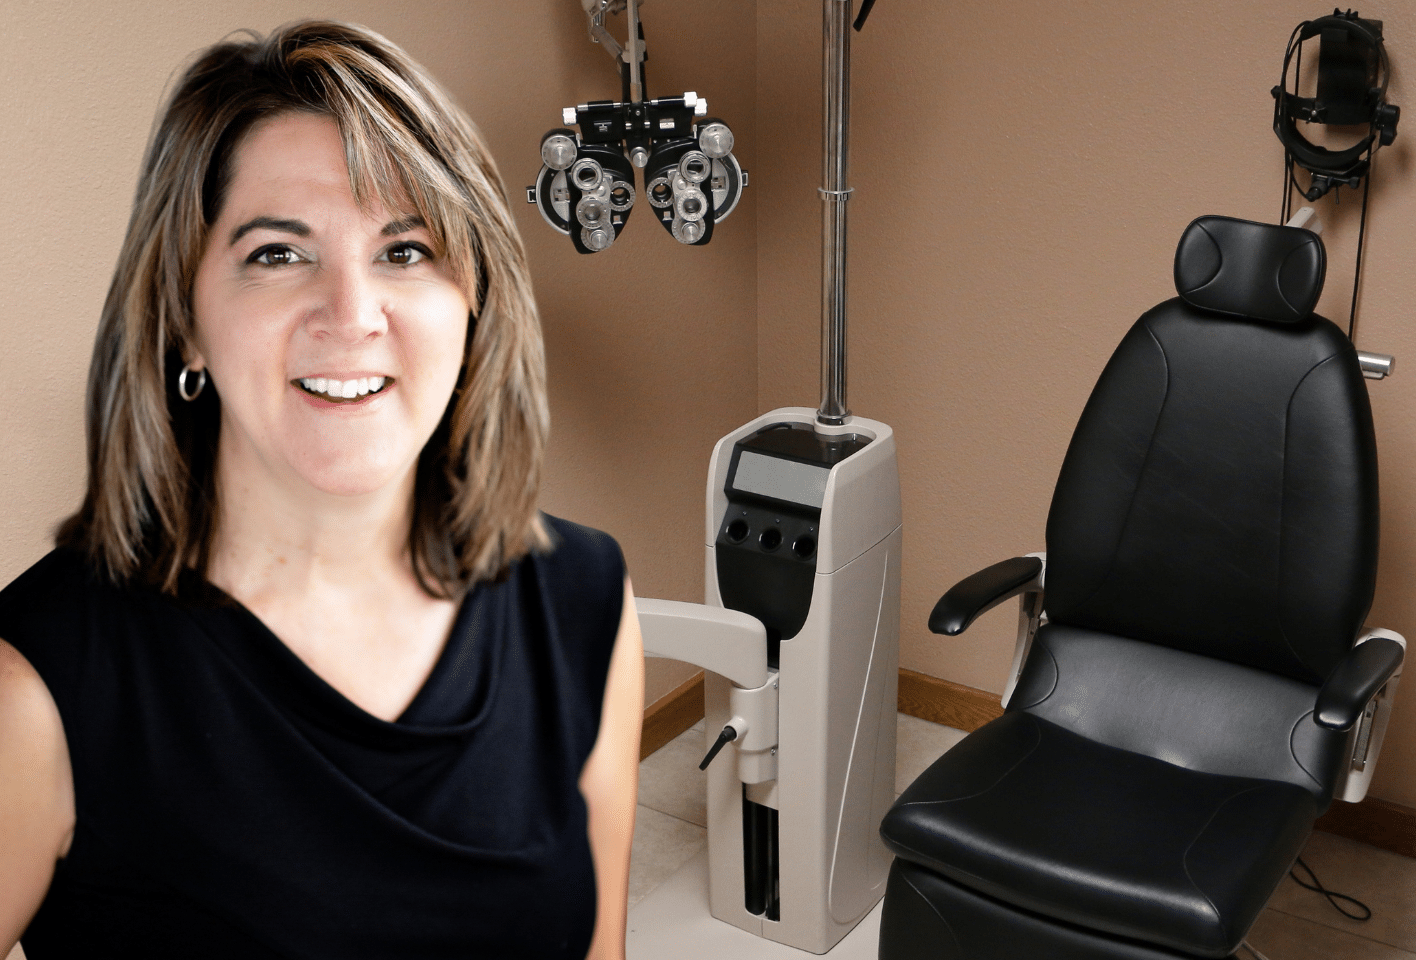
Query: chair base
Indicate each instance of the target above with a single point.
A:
(927, 917)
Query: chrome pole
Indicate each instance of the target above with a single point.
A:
(835, 135)
(635, 51)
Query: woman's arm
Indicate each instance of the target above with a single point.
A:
(36, 793)
(610, 783)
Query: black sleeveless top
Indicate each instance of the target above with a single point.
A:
(232, 804)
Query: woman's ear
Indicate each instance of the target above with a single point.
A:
(192, 358)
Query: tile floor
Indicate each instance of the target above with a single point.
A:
(1297, 925)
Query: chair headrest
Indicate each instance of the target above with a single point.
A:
(1261, 271)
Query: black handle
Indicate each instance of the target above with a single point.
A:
(724, 738)
(864, 12)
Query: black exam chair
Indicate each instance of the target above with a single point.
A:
(1192, 691)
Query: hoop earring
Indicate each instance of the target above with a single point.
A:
(182, 383)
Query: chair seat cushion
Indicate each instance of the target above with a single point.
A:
(1029, 813)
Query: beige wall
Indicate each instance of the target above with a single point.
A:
(1022, 172)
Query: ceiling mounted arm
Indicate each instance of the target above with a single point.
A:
(596, 11)
(631, 55)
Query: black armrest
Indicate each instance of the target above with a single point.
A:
(1356, 679)
(982, 592)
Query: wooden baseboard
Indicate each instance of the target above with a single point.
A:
(943, 701)
(672, 714)
(1379, 823)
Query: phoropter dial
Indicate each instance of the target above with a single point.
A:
(585, 191)
(586, 185)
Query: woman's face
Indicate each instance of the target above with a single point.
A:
(334, 334)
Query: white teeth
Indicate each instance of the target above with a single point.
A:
(344, 389)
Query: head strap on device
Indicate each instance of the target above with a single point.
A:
(1353, 71)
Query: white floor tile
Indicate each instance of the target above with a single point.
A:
(670, 781)
(662, 844)
(918, 743)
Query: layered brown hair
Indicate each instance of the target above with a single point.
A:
(150, 508)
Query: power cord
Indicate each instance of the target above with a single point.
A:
(1317, 887)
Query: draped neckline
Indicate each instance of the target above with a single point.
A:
(468, 663)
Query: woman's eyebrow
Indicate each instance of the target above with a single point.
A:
(297, 227)
(394, 227)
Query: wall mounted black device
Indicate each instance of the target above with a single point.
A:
(1351, 90)
(1353, 71)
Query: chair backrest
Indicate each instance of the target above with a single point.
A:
(1219, 495)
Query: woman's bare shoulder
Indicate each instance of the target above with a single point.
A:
(23, 695)
(36, 793)
(22, 691)
(36, 781)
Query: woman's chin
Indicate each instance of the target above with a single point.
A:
(352, 479)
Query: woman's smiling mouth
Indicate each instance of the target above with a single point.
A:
(342, 391)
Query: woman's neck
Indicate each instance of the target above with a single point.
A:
(274, 536)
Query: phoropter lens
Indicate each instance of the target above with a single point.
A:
(695, 167)
(586, 173)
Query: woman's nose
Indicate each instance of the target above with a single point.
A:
(350, 308)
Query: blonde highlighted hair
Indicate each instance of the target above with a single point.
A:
(150, 508)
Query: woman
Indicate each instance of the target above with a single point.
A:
(308, 675)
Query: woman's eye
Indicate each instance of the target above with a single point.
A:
(274, 256)
(406, 254)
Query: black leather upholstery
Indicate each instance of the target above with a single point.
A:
(1220, 494)
(1180, 707)
(1212, 549)
(1251, 270)
(1028, 813)
(927, 917)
